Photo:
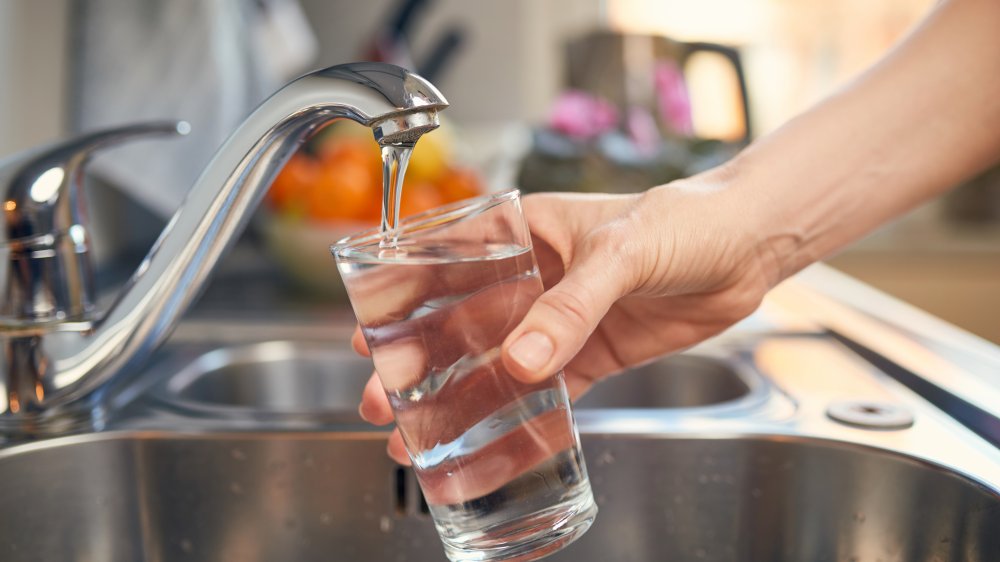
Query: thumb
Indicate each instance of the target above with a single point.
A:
(559, 323)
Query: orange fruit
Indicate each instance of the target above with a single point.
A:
(419, 196)
(344, 191)
(460, 183)
(297, 176)
(359, 150)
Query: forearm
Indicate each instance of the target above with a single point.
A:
(919, 122)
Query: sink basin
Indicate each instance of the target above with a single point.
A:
(286, 378)
(678, 381)
(271, 378)
(131, 496)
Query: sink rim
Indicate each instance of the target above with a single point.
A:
(175, 374)
(167, 391)
(14, 450)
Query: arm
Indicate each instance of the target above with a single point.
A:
(629, 278)
(689, 258)
(913, 126)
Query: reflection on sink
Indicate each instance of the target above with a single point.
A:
(272, 378)
(300, 378)
(337, 497)
(679, 381)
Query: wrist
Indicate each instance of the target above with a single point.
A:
(754, 222)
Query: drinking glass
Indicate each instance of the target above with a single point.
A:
(498, 460)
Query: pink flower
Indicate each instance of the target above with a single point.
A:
(672, 97)
(643, 131)
(582, 116)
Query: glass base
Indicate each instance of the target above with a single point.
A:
(530, 537)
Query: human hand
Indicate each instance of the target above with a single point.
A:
(633, 277)
(628, 278)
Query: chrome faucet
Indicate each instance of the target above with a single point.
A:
(56, 357)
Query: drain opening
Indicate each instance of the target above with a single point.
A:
(870, 415)
(424, 508)
(408, 498)
(400, 485)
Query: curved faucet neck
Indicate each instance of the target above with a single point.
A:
(399, 106)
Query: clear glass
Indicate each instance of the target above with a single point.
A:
(499, 461)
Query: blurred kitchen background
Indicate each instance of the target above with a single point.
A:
(589, 95)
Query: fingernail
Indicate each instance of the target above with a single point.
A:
(532, 351)
(361, 412)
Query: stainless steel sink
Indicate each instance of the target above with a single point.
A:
(337, 497)
(282, 378)
(679, 381)
(271, 378)
(252, 450)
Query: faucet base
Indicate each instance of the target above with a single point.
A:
(76, 420)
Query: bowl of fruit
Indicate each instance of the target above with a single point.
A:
(332, 187)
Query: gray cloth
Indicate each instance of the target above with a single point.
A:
(208, 62)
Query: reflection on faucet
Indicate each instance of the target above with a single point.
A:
(56, 359)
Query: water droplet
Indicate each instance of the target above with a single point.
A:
(601, 500)
(238, 455)
(859, 517)
(700, 553)
(450, 473)
(678, 499)
(235, 488)
(702, 479)
(385, 524)
(368, 497)
(187, 546)
(716, 478)
(325, 518)
(756, 492)
(307, 461)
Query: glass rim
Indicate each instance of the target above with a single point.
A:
(429, 220)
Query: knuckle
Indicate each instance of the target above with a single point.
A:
(571, 304)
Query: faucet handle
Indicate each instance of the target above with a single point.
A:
(46, 274)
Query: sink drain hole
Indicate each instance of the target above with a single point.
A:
(400, 481)
(408, 497)
(424, 509)
(870, 415)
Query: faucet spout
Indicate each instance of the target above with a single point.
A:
(67, 366)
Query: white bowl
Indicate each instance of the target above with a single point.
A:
(302, 248)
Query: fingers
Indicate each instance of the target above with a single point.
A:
(560, 321)
(375, 407)
(397, 449)
(358, 342)
(577, 386)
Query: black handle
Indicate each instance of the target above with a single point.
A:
(402, 20)
(733, 56)
(442, 53)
